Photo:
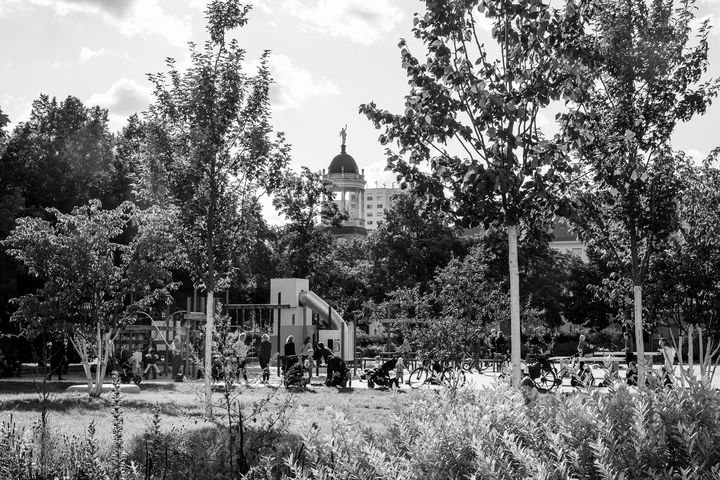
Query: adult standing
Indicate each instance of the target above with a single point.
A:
(264, 357)
(57, 356)
(241, 352)
(628, 348)
(669, 358)
(290, 355)
(177, 360)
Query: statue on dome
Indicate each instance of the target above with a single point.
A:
(343, 134)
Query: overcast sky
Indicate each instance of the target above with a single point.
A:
(329, 56)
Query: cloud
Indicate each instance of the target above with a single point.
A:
(362, 21)
(123, 98)
(294, 85)
(130, 17)
(86, 54)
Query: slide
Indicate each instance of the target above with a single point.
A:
(343, 337)
(320, 306)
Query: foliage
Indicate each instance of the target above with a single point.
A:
(305, 240)
(410, 246)
(473, 118)
(645, 77)
(493, 434)
(213, 123)
(684, 283)
(92, 285)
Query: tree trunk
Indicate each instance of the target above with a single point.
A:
(515, 343)
(209, 317)
(639, 341)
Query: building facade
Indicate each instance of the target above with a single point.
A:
(365, 207)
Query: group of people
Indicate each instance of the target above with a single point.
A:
(311, 356)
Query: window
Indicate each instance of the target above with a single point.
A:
(369, 222)
(369, 198)
(352, 206)
(369, 214)
(369, 206)
(379, 205)
(379, 197)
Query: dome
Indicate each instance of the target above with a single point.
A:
(343, 163)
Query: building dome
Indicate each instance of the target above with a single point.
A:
(343, 163)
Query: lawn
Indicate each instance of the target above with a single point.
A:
(181, 406)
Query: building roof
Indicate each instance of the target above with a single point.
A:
(343, 163)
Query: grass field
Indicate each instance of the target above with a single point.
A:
(181, 406)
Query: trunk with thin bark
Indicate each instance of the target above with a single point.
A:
(515, 343)
(208, 350)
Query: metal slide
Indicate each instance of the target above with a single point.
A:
(320, 306)
(346, 335)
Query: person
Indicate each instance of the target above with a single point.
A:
(289, 352)
(628, 348)
(632, 374)
(310, 363)
(584, 348)
(264, 357)
(378, 362)
(241, 352)
(529, 389)
(500, 347)
(176, 349)
(307, 345)
(56, 350)
(151, 358)
(399, 371)
(337, 371)
(669, 358)
(137, 359)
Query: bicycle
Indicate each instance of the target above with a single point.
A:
(426, 372)
(498, 362)
(550, 377)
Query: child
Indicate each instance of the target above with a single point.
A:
(399, 370)
(631, 375)
(310, 364)
(136, 361)
(378, 362)
(152, 358)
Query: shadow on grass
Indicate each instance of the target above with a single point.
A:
(10, 386)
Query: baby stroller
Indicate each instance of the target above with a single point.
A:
(125, 368)
(380, 376)
(295, 376)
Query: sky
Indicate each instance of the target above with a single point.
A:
(328, 57)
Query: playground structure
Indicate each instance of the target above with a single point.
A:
(291, 315)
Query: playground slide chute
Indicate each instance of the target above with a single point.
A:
(320, 306)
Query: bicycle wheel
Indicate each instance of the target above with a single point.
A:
(418, 377)
(467, 365)
(546, 381)
(453, 377)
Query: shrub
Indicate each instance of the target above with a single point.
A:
(492, 434)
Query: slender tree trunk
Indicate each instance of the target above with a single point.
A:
(691, 350)
(210, 306)
(639, 341)
(515, 343)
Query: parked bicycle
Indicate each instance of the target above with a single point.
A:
(550, 377)
(434, 373)
(480, 365)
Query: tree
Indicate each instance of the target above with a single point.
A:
(410, 247)
(474, 120)
(215, 125)
(647, 77)
(92, 285)
(305, 240)
(61, 158)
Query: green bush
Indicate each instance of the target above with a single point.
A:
(623, 434)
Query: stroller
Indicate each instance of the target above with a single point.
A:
(125, 368)
(295, 376)
(380, 376)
